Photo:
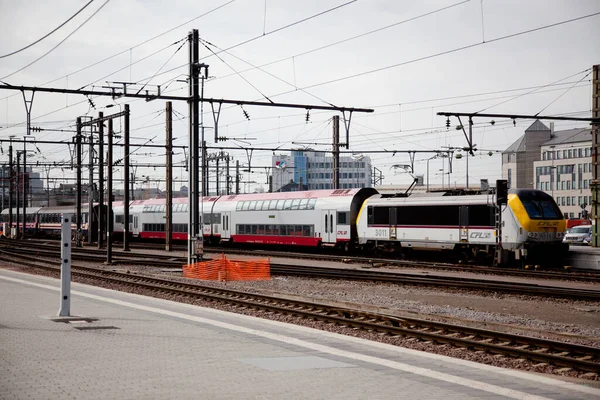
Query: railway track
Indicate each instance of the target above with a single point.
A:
(403, 278)
(567, 274)
(561, 355)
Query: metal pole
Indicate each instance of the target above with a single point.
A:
(428, 174)
(126, 182)
(336, 151)
(595, 187)
(3, 184)
(90, 186)
(193, 170)
(78, 215)
(24, 188)
(109, 190)
(228, 178)
(237, 176)
(11, 184)
(18, 193)
(101, 215)
(65, 266)
(169, 161)
(470, 147)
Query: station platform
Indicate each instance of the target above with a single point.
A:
(583, 257)
(126, 346)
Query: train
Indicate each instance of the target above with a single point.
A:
(528, 229)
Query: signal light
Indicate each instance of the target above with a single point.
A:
(501, 191)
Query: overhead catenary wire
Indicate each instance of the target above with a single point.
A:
(49, 33)
(442, 53)
(136, 46)
(565, 92)
(59, 43)
(185, 65)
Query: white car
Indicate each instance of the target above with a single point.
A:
(581, 234)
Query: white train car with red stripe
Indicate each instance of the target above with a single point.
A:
(310, 218)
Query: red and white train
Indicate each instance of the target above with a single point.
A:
(529, 226)
(307, 218)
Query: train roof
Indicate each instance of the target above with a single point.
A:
(328, 193)
(28, 210)
(431, 200)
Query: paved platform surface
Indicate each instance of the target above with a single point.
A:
(145, 348)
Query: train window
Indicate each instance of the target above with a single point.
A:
(303, 204)
(254, 229)
(238, 206)
(542, 209)
(265, 205)
(343, 218)
(381, 215)
(119, 219)
(306, 230)
(481, 215)
(273, 205)
(245, 205)
(311, 204)
(259, 205)
(295, 204)
(428, 215)
(280, 204)
(252, 205)
(287, 205)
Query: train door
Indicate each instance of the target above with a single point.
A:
(393, 222)
(135, 229)
(225, 227)
(463, 222)
(328, 219)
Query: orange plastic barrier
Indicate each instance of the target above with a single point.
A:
(229, 270)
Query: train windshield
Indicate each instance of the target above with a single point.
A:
(539, 205)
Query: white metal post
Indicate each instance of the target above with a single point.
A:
(65, 266)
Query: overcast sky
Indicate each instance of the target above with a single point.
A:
(406, 59)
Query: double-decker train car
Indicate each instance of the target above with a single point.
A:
(306, 218)
(531, 225)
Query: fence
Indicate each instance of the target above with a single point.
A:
(223, 269)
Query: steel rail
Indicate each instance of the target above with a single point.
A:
(517, 288)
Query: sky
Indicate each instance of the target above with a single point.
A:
(407, 60)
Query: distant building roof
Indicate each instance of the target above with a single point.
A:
(558, 137)
(537, 126)
(570, 136)
(517, 146)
